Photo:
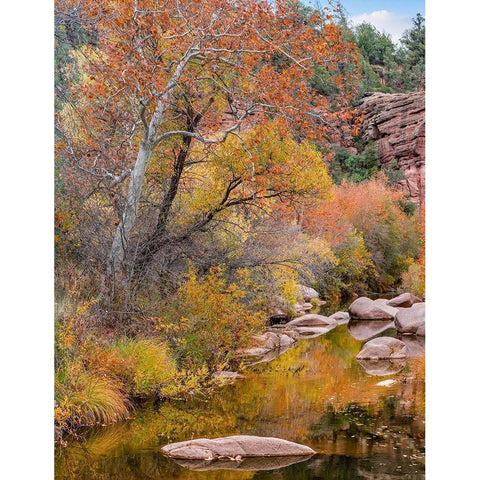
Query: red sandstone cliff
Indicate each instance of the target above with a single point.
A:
(396, 122)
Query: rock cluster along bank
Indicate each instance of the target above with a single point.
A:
(366, 318)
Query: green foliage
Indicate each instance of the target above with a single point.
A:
(408, 207)
(412, 55)
(354, 168)
(393, 173)
(375, 47)
(323, 82)
(352, 269)
(413, 280)
(387, 68)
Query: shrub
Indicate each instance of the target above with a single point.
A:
(211, 319)
(141, 366)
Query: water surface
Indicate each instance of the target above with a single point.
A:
(316, 394)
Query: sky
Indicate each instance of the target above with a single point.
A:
(390, 16)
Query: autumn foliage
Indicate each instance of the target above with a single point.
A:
(192, 185)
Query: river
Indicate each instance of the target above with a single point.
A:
(315, 393)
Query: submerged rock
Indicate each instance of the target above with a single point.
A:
(235, 447)
(366, 329)
(411, 320)
(364, 308)
(382, 368)
(242, 464)
(404, 300)
(383, 348)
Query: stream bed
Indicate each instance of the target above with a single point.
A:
(315, 393)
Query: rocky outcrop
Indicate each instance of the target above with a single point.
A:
(235, 448)
(396, 123)
(267, 342)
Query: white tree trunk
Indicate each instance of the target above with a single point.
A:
(149, 140)
(124, 228)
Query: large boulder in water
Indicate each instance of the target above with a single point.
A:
(235, 447)
(311, 320)
(364, 308)
(383, 348)
(411, 320)
(404, 300)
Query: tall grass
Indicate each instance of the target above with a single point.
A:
(85, 399)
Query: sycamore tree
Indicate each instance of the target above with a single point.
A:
(167, 94)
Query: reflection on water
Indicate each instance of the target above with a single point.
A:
(316, 394)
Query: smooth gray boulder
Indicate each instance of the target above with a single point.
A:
(311, 320)
(405, 300)
(411, 320)
(365, 329)
(235, 447)
(364, 308)
(383, 348)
